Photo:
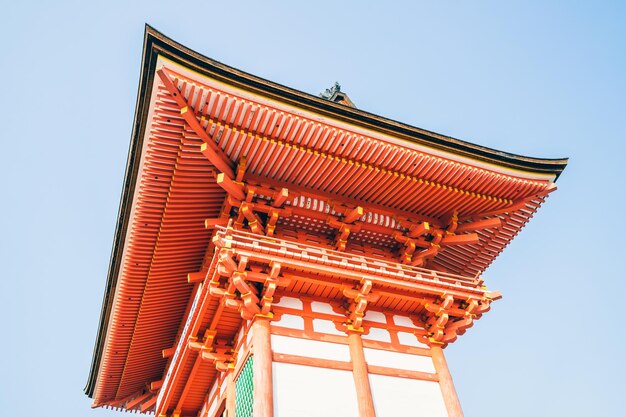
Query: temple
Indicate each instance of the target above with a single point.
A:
(285, 254)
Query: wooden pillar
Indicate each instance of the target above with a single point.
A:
(445, 383)
(263, 405)
(361, 379)
(231, 394)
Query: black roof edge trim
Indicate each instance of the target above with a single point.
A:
(181, 54)
(148, 64)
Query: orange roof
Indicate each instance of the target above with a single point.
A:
(329, 156)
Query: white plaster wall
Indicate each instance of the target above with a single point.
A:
(326, 326)
(326, 308)
(290, 321)
(395, 397)
(305, 391)
(404, 321)
(399, 360)
(377, 334)
(409, 339)
(376, 316)
(290, 302)
(310, 348)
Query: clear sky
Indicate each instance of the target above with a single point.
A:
(538, 78)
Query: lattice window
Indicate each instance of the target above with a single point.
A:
(244, 387)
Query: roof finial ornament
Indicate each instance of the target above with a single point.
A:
(331, 91)
(335, 95)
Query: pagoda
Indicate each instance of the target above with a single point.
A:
(284, 254)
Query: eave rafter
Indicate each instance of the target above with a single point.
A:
(419, 248)
(213, 153)
(291, 126)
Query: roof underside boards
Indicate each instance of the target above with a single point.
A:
(176, 192)
(171, 189)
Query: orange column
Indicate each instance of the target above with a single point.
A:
(445, 383)
(361, 379)
(263, 405)
(231, 392)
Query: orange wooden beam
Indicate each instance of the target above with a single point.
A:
(230, 186)
(214, 154)
(136, 401)
(330, 197)
(308, 361)
(421, 229)
(194, 277)
(353, 215)
(241, 169)
(402, 373)
(148, 404)
(280, 197)
(466, 239)
(212, 223)
(167, 353)
(479, 225)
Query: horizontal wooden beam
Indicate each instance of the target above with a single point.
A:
(168, 352)
(230, 186)
(315, 362)
(194, 277)
(466, 239)
(212, 223)
(479, 225)
(296, 190)
(148, 404)
(419, 229)
(280, 197)
(353, 215)
(136, 401)
(402, 373)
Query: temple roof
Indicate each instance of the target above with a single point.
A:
(170, 189)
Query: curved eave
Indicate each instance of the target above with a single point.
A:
(130, 181)
(159, 44)
(156, 44)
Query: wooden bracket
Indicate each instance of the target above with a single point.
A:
(360, 298)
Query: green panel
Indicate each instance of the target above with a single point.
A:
(244, 387)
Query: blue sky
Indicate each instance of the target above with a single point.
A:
(537, 78)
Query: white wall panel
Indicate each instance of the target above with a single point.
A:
(404, 321)
(376, 316)
(326, 326)
(290, 302)
(399, 360)
(319, 307)
(409, 339)
(305, 391)
(290, 321)
(395, 397)
(310, 348)
(375, 333)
